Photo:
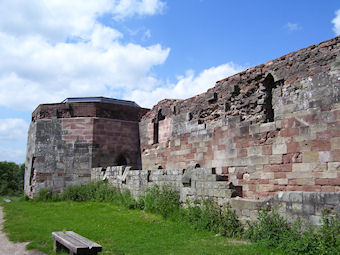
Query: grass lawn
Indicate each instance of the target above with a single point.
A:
(118, 230)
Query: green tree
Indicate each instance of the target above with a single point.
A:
(11, 178)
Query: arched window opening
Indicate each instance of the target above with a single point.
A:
(121, 160)
(155, 132)
(268, 106)
(156, 120)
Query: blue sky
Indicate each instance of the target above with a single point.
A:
(141, 50)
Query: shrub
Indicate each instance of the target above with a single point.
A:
(214, 218)
(270, 229)
(231, 225)
(164, 200)
(273, 230)
(127, 200)
(101, 192)
(328, 235)
(44, 195)
(81, 193)
(12, 178)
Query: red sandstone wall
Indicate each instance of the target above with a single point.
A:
(114, 138)
(225, 129)
(80, 129)
(67, 139)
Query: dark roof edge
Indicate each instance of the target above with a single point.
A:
(99, 99)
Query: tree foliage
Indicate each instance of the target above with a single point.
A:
(11, 178)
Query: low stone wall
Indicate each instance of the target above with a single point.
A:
(192, 183)
(307, 206)
(197, 184)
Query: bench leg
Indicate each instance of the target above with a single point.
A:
(56, 245)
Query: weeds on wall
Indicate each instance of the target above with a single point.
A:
(161, 200)
(94, 191)
(214, 218)
(273, 231)
(270, 229)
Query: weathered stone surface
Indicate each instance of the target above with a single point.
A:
(271, 128)
(66, 140)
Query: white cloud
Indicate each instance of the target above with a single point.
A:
(59, 19)
(12, 155)
(186, 86)
(13, 129)
(336, 22)
(54, 49)
(293, 26)
(126, 8)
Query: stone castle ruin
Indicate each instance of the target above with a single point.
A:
(265, 137)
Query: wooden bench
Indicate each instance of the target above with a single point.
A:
(75, 243)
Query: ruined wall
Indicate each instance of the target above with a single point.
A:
(196, 184)
(66, 140)
(61, 155)
(115, 140)
(271, 128)
(193, 183)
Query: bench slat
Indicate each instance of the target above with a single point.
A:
(75, 242)
(84, 240)
(64, 238)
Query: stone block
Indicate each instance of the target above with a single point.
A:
(312, 167)
(333, 166)
(267, 127)
(275, 159)
(258, 160)
(297, 208)
(325, 156)
(332, 198)
(335, 143)
(280, 148)
(230, 153)
(254, 129)
(295, 197)
(254, 151)
(308, 208)
(211, 96)
(315, 220)
(310, 156)
(177, 142)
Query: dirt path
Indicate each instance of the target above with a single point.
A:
(9, 248)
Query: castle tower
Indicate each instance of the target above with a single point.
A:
(67, 139)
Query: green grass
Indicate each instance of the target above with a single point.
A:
(118, 230)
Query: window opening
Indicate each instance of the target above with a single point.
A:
(269, 110)
(121, 160)
(156, 120)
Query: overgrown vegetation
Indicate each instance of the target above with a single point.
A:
(93, 191)
(273, 231)
(12, 178)
(270, 230)
(214, 218)
(161, 200)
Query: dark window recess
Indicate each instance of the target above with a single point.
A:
(121, 160)
(155, 132)
(32, 173)
(236, 91)
(148, 176)
(268, 101)
(156, 120)
(238, 192)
